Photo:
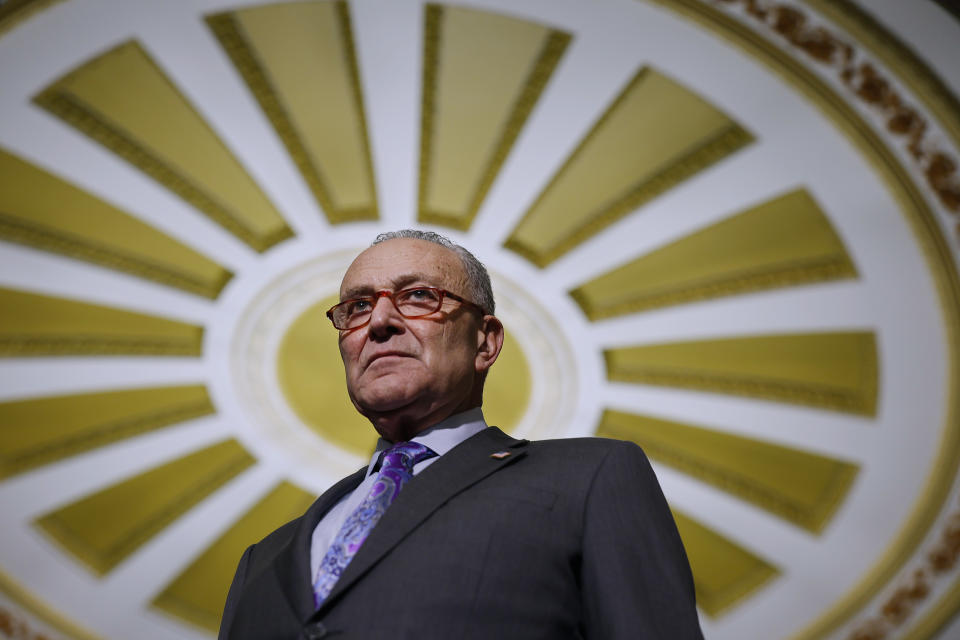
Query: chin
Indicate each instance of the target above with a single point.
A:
(384, 403)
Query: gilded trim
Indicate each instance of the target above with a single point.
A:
(74, 112)
(431, 59)
(350, 54)
(798, 273)
(721, 144)
(14, 12)
(939, 256)
(32, 345)
(874, 90)
(15, 229)
(229, 32)
(898, 57)
(30, 602)
(937, 616)
(765, 388)
(911, 592)
(99, 435)
(553, 49)
(103, 561)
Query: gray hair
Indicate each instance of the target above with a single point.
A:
(481, 291)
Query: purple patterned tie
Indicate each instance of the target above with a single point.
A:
(397, 467)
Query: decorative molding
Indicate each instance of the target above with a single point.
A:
(896, 56)
(30, 233)
(16, 627)
(798, 273)
(209, 475)
(14, 12)
(18, 346)
(95, 435)
(729, 257)
(710, 150)
(722, 460)
(29, 602)
(871, 87)
(938, 563)
(549, 57)
(229, 32)
(86, 119)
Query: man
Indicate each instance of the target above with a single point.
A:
(485, 536)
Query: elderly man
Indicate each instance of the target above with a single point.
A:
(485, 536)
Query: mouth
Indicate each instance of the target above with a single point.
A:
(386, 355)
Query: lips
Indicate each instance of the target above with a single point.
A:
(386, 354)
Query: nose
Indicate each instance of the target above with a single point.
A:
(385, 319)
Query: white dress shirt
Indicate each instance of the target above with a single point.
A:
(441, 438)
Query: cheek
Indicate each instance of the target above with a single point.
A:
(349, 352)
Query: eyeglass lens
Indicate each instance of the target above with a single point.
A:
(409, 302)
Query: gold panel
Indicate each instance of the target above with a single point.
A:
(835, 371)
(197, 595)
(103, 529)
(36, 325)
(311, 376)
(43, 430)
(784, 242)
(124, 101)
(40, 210)
(799, 486)
(482, 75)
(724, 573)
(655, 135)
(299, 61)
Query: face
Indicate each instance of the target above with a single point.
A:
(406, 374)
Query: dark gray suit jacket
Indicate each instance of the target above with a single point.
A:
(560, 539)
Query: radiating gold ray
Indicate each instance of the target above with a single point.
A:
(197, 595)
(103, 529)
(299, 61)
(724, 573)
(653, 136)
(124, 101)
(482, 75)
(37, 325)
(43, 430)
(799, 486)
(40, 210)
(784, 242)
(835, 371)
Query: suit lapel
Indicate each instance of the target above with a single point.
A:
(293, 560)
(463, 466)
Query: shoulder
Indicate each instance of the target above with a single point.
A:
(589, 448)
(586, 458)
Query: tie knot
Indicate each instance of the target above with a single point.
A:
(404, 455)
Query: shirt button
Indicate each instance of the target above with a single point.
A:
(314, 631)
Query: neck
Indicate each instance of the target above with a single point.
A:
(400, 426)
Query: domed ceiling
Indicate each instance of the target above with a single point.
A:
(727, 230)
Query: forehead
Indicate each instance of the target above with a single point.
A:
(403, 261)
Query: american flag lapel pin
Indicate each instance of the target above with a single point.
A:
(500, 455)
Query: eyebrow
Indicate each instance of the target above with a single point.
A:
(398, 283)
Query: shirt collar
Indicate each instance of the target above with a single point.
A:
(441, 437)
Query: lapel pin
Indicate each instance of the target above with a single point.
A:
(500, 455)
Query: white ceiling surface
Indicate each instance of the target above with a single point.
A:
(611, 40)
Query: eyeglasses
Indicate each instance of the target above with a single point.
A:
(411, 303)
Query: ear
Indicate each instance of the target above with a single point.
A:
(489, 343)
